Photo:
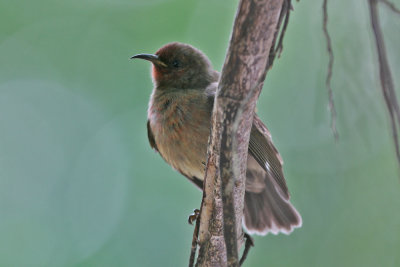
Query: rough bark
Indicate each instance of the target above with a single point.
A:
(247, 60)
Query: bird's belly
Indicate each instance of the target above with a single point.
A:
(184, 145)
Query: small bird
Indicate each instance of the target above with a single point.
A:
(178, 127)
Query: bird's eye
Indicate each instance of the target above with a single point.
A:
(176, 64)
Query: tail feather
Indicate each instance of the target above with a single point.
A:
(267, 212)
(266, 209)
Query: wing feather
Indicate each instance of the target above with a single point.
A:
(150, 135)
(265, 153)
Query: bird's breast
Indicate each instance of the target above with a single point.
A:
(180, 124)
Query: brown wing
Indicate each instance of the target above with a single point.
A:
(262, 149)
(265, 153)
(150, 135)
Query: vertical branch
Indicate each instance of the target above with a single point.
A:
(391, 6)
(285, 14)
(332, 108)
(385, 75)
(252, 41)
(193, 249)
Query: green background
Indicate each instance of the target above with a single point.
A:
(80, 186)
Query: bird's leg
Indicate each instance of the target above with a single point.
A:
(194, 216)
(249, 243)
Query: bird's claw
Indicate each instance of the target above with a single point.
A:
(193, 217)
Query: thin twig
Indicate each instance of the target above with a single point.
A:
(385, 76)
(285, 11)
(287, 8)
(249, 243)
(391, 6)
(395, 135)
(332, 108)
(194, 241)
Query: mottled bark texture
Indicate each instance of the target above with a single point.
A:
(247, 60)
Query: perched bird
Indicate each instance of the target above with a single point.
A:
(178, 126)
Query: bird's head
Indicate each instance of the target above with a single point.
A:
(180, 66)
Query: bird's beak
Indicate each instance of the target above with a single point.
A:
(152, 58)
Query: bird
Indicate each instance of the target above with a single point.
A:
(178, 128)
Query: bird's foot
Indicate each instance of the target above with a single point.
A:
(193, 217)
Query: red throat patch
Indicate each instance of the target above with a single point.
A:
(155, 73)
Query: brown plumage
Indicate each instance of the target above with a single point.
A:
(178, 127)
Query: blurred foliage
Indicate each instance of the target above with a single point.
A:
(80, 186)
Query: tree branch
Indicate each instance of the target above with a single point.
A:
(332, 108)
(385, 75)
(194, 239)
(249, 243)
(285, 13)
(252, 41)
(391, 6)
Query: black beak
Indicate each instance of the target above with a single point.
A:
(152, 58)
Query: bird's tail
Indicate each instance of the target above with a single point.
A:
(268, 210)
